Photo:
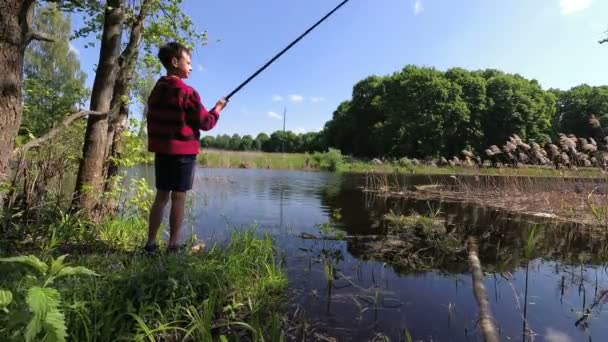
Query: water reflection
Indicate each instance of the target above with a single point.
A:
(348, 292)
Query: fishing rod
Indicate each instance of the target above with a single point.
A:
(284, 50)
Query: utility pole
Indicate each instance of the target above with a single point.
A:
(284, 118)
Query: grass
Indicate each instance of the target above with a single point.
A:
(333, 161)
(231, 291)
(258, 160)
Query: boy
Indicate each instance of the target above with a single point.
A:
(175, 118)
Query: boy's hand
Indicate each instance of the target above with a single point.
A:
(221, 103)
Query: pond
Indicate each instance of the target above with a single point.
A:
(368, 298)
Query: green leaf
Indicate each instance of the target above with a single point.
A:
(531, 243)
(408, 336)
(78, 270)
(55, 326)
(29, 260)
(57, 265)
(6, 297)
(41, 302)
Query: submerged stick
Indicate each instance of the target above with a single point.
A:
(486, 320)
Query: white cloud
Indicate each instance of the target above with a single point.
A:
(277, 98)
(201, 68)
(73, 49)
(274, 115)
(296, 98)
(300, 130)
(418, 7)
(317, 99)
(572, 6)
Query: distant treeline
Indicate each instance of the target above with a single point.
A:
(423, 112)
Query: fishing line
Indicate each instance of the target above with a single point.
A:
(284, 50)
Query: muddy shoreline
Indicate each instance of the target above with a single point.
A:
(558, 207)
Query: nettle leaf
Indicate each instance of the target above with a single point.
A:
(57, 265)
(42, 302)
(29, 260)
(78, 270)
(6, 297)
(55, 327)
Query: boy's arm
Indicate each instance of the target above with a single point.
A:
(203, 119)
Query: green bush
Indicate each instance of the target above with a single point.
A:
(332, 160)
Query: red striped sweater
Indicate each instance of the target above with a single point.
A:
(175, 117)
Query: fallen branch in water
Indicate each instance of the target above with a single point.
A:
(486, 320)
(307, 236)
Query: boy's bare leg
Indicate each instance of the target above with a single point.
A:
(178, 202)
(156, 215)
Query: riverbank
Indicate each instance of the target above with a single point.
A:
(558, 199)
(334, 161)
(107, 289)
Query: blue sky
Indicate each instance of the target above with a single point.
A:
(552, 41)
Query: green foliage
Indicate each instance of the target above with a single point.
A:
(422, 112)
(134, 146)
(141, 199)
(166, 21)
(6, 298)
(46, 320)
(278, 141)
(519, 106)
(406, 163)
(332, 160)
(31, 261)
(531, 244)
(575, 107)
(260, 139)
(54, 85)
(44, 305)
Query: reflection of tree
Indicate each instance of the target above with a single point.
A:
(502, 237)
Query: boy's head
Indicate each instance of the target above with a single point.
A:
(175, 57)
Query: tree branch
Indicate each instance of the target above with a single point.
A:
(63, 125)
(486, 320)
(40, 37)
(604, 41)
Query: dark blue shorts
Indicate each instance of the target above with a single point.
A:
(174, 172)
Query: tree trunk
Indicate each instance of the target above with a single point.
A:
(89, 183)
(15, 34)
(127, 63)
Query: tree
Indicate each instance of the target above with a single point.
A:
(260, 139)
(208, 141)
(222, 142)
(423, 112)
(235, 142)
(473, 85)
(16, 32)
(150, 22)
(312, 142)
(246, 143)
(517, 106)
(366, 113)
(280, 140)
(89, 181)
(575, 107)
(54, 83)
(424, 108)
(338, 131)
